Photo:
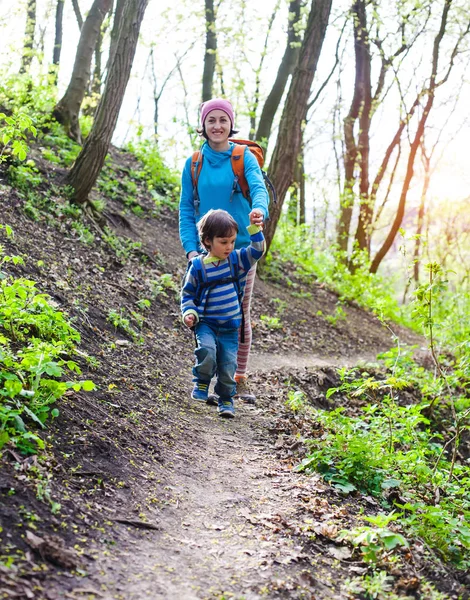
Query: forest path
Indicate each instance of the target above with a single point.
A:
(226, 530)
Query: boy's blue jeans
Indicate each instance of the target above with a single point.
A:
(216, 354)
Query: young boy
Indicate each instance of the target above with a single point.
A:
(211, 303)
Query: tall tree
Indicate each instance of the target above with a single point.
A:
(85, 171)
(28, 42)
(286, 68)
(59, 15)
(78, 13)
(427, 96)
(358, 121)
(283, 165)
(115, 31)
(67, 109)
(210, 55)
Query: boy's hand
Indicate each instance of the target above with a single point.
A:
(256, 217)
(189, 320)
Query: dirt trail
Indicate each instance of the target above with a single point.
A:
(224, 532)
(269, 361)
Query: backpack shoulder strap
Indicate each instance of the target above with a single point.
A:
(201, 277)
(235, 270)
(238, 167)
(196, 166)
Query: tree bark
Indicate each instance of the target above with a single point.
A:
(89, 163)
(78, 14)
(115, 31)
(68, 108)
(28, 43)
(364, 58)
(286, 67)
(59, 14)
(359, 109)
(211, 52)
(429, 91)
(289, 142)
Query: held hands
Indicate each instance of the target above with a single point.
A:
(256, 217)
(189, 320)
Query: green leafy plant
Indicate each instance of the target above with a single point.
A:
(35, 339)
(374, 542)
(271, 322)
(14, 131)
(124, 248)
(162, 284)
(119, 321)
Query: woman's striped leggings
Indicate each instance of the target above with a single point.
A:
(244, 348)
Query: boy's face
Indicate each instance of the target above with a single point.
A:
(220, 247)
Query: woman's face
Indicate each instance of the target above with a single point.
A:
(218, 127)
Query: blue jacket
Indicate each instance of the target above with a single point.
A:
(214, 186)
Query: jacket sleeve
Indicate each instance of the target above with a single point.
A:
(187, 216)
(258, 192)
(188, 294)
(251, 254)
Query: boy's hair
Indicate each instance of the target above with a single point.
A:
(216, 223)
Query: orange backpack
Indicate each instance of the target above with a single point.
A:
(238, 166)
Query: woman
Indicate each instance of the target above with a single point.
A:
(215, 188)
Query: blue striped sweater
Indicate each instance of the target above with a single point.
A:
(219, 305)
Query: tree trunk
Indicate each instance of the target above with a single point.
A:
(430, 92)
(285, 69)
(115, 31)
(89, 163)
(28, 36)
(59, 13)
(289, 142)
(211, 52)
(301, 183)
(360, 108)
(364, 58)
(78, 14)
(68, 108)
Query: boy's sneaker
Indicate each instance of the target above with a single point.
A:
(225, 408)
(243, 391)
(200, 391)
(213, 400)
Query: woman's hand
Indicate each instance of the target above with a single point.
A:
(189, 320)
(192, 254)
(256, 217)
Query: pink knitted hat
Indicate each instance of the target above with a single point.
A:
(217, 104)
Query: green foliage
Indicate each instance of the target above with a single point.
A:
(295, 401)
(25, 178)
(14, 132)
(271, 322)
(295, 249)
(162, 182)
(35, 339)
(124, 248)
(119, 321)
(162, 284)
(376, 541)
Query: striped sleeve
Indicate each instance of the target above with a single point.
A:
(249, 256)
(188, 292)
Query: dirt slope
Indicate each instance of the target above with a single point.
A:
(159, 498)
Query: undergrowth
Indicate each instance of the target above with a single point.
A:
(36, 343)
(400, 435)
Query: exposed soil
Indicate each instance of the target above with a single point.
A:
(159, 497)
